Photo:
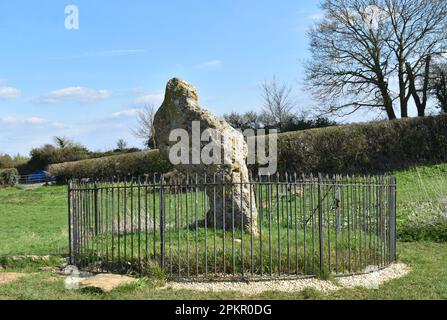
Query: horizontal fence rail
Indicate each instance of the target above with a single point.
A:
(33, 179)
(305, 226)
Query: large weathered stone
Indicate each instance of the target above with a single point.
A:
(178, 111)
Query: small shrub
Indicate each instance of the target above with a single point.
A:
(430, 232)
(6, 161)
(48, 154)
(9, 177)
(426, 223)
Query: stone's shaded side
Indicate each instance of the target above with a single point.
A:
(178, 111)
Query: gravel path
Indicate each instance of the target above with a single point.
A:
(370, 280)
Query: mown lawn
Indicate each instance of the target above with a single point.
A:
(427, 280)
(35, 222)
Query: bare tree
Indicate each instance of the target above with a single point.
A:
(361, 46)
(145, 129)
(121, 144)
(248, 120)
(419, 34)
(278, 105)
(349, 69)
(63, 142)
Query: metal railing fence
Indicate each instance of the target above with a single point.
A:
(305, 226)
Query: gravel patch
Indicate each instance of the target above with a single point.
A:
(31, 257)
(8, 277)
(370, 280)
(106, 282)
(375, 279)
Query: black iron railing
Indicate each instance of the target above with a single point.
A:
(294, 226)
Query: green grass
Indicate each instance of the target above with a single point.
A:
(421, 184)
(34, 222)
(419, 215)
(427, 280)
(345, 257)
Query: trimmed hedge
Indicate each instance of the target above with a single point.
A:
(137, 163)
(365, 148)
(373, 147)
(9, 177)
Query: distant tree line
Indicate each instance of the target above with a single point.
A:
(278, 112)
(8, 162)
(62, 150)
(293, 122)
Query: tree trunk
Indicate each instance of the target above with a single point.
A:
(387, 101)
(411, 79)
(425, 86)
(421, 104)
(402, 93)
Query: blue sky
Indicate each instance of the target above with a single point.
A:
(86, 84)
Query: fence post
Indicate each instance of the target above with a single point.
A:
(95, 190)
(162, 231)
(392, 216)
(320, 222)
(70, 222)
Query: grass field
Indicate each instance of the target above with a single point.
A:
(34, 221)
(427, 280)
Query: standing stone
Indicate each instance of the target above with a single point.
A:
(178, 111)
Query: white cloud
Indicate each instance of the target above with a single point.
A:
(316, 16)
(210, 64)
(8, 93)
(58, 125)
(126, 113)
(35, 120)
(29, 121)
(8, 120)
(154, 98)
(137, 90)
(105, 53)
(73, 94)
